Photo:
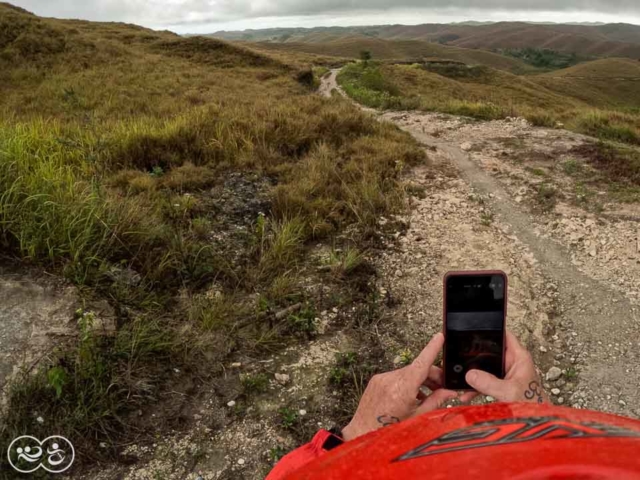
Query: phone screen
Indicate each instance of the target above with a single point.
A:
(474, 326)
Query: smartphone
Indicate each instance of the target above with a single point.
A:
(475, 312)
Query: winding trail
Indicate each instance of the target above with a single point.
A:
(591, 328)
(329, 83)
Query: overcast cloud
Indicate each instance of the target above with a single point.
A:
(209, 15)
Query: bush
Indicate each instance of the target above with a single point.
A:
(614, 126)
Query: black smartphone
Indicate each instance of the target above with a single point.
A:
(475, 312)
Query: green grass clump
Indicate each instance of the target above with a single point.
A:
(88, 391)
(254, 384)
(289, 418)
(614, 126)
(364, 82)
(572, 167)
(547, 197)
(345, 262)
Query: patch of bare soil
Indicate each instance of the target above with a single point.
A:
(37, 316)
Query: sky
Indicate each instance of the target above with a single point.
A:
(207, 16)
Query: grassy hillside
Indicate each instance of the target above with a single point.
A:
(618, 40)
(181, 180)
(458, 89)
(606, 68)
(482, 92)
(352, 46)
(579, 39)
(606, 83)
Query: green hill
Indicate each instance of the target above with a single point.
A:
(351, 46)
(605, 68)
(606, 83)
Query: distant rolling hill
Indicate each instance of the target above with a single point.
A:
(350, 46)
(609, 40)
(606, 83)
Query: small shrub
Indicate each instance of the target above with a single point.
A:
(542, 119)
(276, 453)
(217, 312)
(572, 167)
(547, 197)
(289, 418)
(537, 171)
(571, 373)
(254, 384)
(342, 369)
(279, 244)
(486, 218)
(304, 322)
(188, 177)
(201, 227)
(406, 357)
(346, 261)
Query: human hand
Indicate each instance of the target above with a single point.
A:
(396, 396)
(521, 382)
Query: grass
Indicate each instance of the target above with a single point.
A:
(546, 197)
(345, 262)
(620, 163)
(617, 127)
(255, 384)
(288, 418)
(93, 386)
(572, 167)
(487, 218)
(538, 172)
(486, 94)
(350, 375)
(204, 170)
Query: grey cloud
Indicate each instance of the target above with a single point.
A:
(311, 7)
(177, 12)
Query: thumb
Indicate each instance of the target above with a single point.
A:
(487, 384)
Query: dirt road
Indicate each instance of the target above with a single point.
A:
(574, 273)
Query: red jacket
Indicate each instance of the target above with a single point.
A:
(300, 457)
(490, 442)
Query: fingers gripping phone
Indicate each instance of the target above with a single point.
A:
(475, 311)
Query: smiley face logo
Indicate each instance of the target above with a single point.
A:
(27, 454)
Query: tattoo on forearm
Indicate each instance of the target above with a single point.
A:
(386, 420)
(534, 390)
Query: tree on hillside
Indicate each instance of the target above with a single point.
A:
(365, 56)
